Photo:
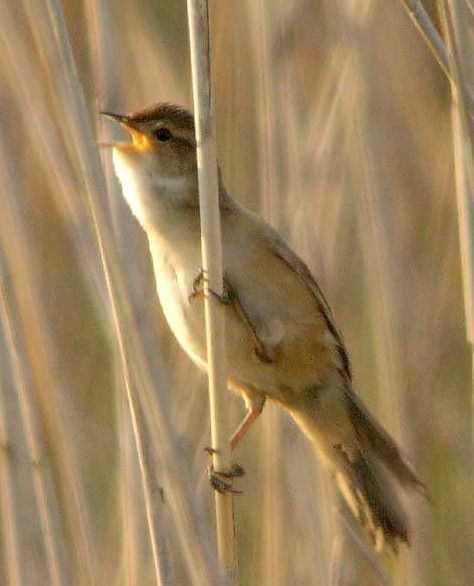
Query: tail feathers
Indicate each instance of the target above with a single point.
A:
(366, 462)
(369, 494)
(373, 437)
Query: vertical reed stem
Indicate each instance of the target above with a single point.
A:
(38, 472)
(198, 20)
(453, 26)
(12, 568)
(422, 21)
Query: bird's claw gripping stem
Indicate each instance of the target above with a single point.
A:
(198, 290)
(221, 481)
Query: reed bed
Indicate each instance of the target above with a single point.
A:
(334, 121)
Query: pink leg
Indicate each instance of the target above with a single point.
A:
(245, 425)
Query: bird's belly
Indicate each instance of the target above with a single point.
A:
(295, 360)
(185, 317)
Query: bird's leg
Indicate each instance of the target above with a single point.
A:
(253, 412)
(261, 350)
(198, 289)
(228, 297)
(219, 480)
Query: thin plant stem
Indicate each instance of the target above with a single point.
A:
(11, 553)
(20, 259)
(365, 551)
(100, 20)
(422, 21)
(62, 70)
(272, 572)
(463, 162)
(198, 19)
(38, 469)
(130, 570)
(374, 225)
(470, 5)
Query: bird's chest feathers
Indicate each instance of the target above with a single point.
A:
(147, 191)
(185, 316)
(136, 185)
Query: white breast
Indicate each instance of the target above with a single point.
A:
(144, 188)
(136, 184)
(174, 284)
(174, 245)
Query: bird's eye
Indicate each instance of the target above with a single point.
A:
(162, 134)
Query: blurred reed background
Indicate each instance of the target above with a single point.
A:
(334, 122)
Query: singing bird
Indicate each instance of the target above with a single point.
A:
(282, 340)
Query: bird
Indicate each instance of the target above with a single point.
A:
(283, 343)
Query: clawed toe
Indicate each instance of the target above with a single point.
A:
(198, 289)
(211, 451)
(197, 286)
(236, 471)
(221, 481)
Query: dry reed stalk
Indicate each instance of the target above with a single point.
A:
(12, 570)
(198, 20)
(21, 260)
(422, 21)
(38, 469)
(128, 497)
(26, 89)
(196, 552)
(320, 241)
(379, 271)
(416, 159)
(48, 398)
(49, 26)
(272, 571)
(470, 5)
(99, 19)
(374, 229)
(460, 53)
(318, 493)
(100, 22)
(367, 552)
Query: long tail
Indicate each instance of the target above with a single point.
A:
(366, 461)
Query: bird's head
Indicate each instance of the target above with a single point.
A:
(160, 162)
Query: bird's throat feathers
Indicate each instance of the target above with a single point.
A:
(148, 190)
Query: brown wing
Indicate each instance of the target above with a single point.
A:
(283, 252)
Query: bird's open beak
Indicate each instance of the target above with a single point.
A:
(139, 139)
(120, 118)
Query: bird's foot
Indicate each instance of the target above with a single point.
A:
(198, 286)
(222, 480)
(198, 289)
